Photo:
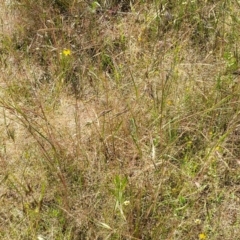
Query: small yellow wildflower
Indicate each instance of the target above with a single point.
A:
(202, 236)
(126, 203)
(66, 52)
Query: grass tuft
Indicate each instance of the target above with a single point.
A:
(119, 119)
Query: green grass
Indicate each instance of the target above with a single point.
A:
(119, 121)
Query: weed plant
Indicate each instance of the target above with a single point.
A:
(119, 120)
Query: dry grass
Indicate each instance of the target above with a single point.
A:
(119, 121)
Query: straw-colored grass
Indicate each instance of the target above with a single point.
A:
(119, 120)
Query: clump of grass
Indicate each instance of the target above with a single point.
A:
(120, 120)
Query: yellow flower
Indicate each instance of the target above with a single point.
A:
(66, 52)
(126, 203)
(202, 236)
